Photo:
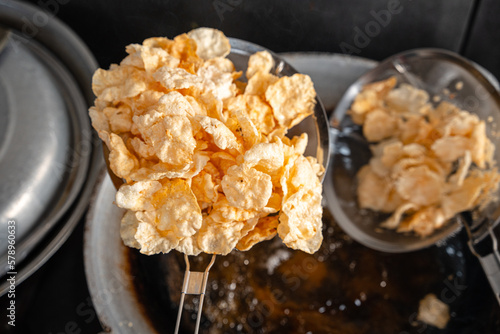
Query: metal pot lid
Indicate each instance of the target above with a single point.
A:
(47, 148)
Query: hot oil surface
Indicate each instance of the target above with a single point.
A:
(343, 288)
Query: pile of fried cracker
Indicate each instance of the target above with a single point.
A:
(429, 162)
(204, 157)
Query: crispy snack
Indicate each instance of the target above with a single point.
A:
(210, 43)
(429, 163)
(433, 311)
(204, 158)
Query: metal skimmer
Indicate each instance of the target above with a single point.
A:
(432, 70)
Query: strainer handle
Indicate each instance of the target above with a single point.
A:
(195, 283)
(491, 267)
(490, 262)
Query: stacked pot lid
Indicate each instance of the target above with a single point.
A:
(49, 156)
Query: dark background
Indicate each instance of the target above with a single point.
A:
(56, 299)
(469, 27)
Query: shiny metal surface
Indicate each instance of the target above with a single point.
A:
(106, 265)
(48, 157)
(4, 35)
(434, 71)
(105, 255)
(41, 165)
